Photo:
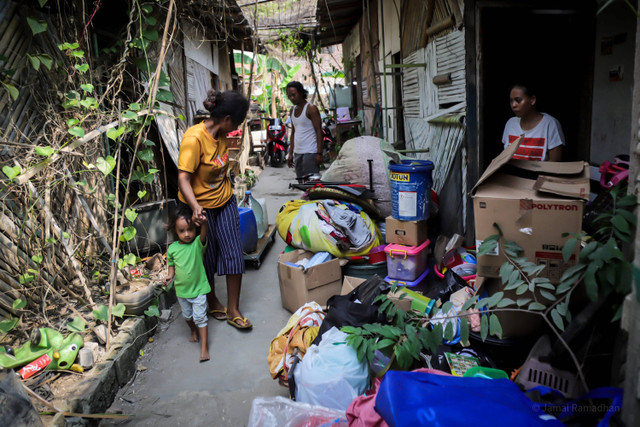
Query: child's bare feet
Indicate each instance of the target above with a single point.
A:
(204, 344)
(195, 334)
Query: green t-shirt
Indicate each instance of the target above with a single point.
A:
(190, 278)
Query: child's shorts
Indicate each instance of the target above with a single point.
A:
(195, 309)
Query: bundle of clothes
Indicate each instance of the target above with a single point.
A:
(341, 228)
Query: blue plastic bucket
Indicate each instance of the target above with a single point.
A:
(248, 230)
(410, 189)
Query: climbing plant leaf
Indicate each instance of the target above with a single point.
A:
(8, 324)
(105, 165)
(19, 304)
(13, 92)
(37, 26)
(76, 325)
(152, 311)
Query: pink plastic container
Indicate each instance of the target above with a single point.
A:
(406, 262)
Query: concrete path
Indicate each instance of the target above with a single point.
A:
(175, 389)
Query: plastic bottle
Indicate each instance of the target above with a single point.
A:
(251, 203)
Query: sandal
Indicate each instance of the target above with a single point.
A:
(218, 314)
(235, 322)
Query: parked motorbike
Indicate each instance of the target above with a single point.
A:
(277, 146)
(328, 141)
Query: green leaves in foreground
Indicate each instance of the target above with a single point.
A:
(8, 324)
(102, 312)
(152, 311)
(11, 172)
(77, 325)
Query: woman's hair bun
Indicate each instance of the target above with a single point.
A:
(214, 98)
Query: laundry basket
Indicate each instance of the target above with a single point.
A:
(535, 373)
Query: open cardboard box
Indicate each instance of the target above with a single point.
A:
(533, 203)
(349, 283)
(299, 286)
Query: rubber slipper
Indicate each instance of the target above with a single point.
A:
(218, 314)
(234, 322)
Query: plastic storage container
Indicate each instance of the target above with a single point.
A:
(251, 203)
(265, 215)
(410, 189)
(409, 284)
(248, 230)
(406, 262)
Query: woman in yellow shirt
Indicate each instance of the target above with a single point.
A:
(204, 186)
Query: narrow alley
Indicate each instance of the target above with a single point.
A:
(174, 389)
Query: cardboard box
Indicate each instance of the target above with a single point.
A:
(299, 286)
(408, 233)
(350, 283)
(533, 203)
(514, 324)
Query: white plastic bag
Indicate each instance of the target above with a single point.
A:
(330, 374)
(281, 412)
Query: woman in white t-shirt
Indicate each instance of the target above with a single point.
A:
(543, 137)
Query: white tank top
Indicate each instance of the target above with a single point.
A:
(305, 135)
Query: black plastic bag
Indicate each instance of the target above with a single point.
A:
(448, 285)
(343, 310)
(368, 290)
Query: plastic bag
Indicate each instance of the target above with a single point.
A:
(413, 398)
(447, 286)
(281, 412)
(368, 290)
(330, 374)
(343, 310)
(352, 166)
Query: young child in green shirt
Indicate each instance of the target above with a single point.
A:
(184, 258)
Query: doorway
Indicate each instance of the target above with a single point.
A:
(550, 46)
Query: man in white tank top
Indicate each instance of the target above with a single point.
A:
(305, 148)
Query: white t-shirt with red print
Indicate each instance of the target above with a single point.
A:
(538, 141)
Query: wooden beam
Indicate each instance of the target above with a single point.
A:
(457, 14)
(442, 79)
(428, 18)
(440, 26)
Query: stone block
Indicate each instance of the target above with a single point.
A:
(165, 315)
(100, 332)
(125, 364)
(95, 392)
(85, 358)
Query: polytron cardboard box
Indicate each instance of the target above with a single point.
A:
(533, 203)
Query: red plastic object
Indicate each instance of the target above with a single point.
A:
(377, 255)
(34, 367)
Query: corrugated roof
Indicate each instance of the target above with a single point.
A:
(275, 16)
(335, 19)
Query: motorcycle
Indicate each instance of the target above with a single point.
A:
(277, 145)
(328, 141)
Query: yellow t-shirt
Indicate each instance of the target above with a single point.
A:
(207, 159)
